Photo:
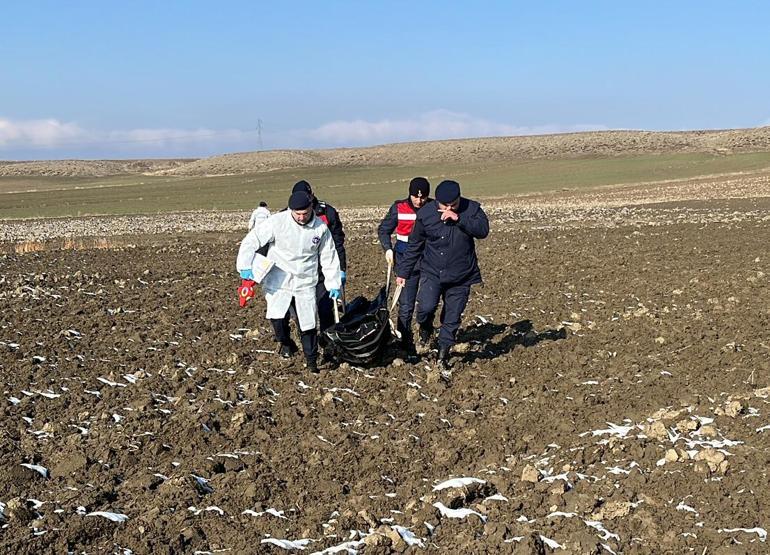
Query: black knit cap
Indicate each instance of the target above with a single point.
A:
(419, 187)
(303, 186)
(447, 192)
(300, 200)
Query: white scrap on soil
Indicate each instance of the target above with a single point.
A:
(688, 508)
(270, 511)
(761, 532)
(288, 544)
(110, 382)
(458, 483)
(605, 534)
(457, 513)
(551, 543)
(349, 547)
(408, 536)
(210, 508)
(203, 483)
(496, 497)
(48, 394)
(613, 430)
(114, 517)
(43, 471)
(560, 513)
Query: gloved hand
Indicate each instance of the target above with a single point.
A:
(389, 256)
(335, 294)
(246, 291)
(247, 274)
(344, 276)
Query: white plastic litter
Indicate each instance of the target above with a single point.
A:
(288, 544)
(457, 513)
(458, 483)
(43, 471)
(114, 517)
(761, 532)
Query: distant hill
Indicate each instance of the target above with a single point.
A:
(89, 168)
(458, 151)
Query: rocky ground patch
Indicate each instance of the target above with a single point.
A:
(609, 395)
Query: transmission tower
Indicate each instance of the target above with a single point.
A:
(259, 133)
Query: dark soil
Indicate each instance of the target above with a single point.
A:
(591, 362)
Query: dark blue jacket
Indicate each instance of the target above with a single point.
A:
(446, 250)
(331, 218)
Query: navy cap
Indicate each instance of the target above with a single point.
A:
(419, 187)
(303, 186)
(447, 192)
(300, 200)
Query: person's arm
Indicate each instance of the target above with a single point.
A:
(475, 224)
(413, 251)
(330, 262)
(262, 234)
(338, 235)
(387, 227)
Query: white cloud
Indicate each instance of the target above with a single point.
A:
(434, 125)
(37, 132)
(51, 138)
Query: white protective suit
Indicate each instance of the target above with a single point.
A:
(259, 215)
(296, 250)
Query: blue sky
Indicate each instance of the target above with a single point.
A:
(136, 79)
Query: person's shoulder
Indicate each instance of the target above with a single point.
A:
(279, 216)
(428, 209)
(470, 205)
(326, 207)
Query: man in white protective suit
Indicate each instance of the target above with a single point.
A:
(261, 213)
(298, 242)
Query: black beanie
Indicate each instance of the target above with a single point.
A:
(419, 187)
(447, 192)
(299, 200)
(303, 186)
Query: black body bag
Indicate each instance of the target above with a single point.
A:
(362, 333)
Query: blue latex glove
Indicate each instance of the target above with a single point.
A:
(344, 277)
(247, 274)
(335, 294)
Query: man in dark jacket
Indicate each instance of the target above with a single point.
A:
(401, 219)
(328, 214)
(443, 242)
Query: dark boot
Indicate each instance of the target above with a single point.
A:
(443, 357)
(312, 365)
(287, 350)
(426, 334)
(410, 352)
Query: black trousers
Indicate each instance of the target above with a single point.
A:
(308, 338)
(406, 303)
(325, 306)
(455, 298)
